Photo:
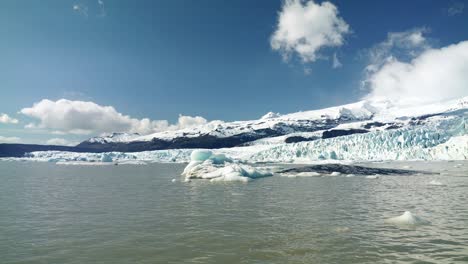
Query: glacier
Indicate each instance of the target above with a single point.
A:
(440, 139)
(363, 131)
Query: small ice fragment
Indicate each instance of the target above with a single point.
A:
(406, 167)
(200, 155)
(343, 229)
(173, 180)
(436, 183)
(372, 177)
(407, 218)
(187, 180)
(350, 175)
(308, 174)
(335, 173)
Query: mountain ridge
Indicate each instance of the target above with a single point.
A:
(356, 118)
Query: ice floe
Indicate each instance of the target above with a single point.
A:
(217, 167)
(407, 218)
(436, 183)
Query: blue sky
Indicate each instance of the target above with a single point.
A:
(159, 59)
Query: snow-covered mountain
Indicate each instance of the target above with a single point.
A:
(366, 130)
(357, 118)
(114, 137)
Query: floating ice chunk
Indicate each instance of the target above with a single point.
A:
(301, 174)
(335, 173)
(226, 172)
(372, 177)
(308, 174)
(436, 183)
(288, 175)
(342, 229)
(350, 175)
(219, 158)
(218, 167)
(200, 155)
(407, 218)
(173, 180)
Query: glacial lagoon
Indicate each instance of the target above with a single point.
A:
(53, 213)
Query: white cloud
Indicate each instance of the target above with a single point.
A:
(79, 117)
(456, 8)
(407, 44)
(434, 75)
(190, 121)
(102, 7)
(81, 9)
(9, 139)
(307, 27)
(4, 118)
(60, 142)
(336, 63)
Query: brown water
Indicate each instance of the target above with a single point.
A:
(135, 214)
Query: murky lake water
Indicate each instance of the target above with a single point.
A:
(135, 214)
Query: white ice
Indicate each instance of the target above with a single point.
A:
(217, 167)
(407, 218)
(436, 183)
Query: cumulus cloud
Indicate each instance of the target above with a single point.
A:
(456, 8)
(434, 75)
(60, 142)
(9, 139)
(79, 117)
(305, 28)
(405, 45)
(5, 119)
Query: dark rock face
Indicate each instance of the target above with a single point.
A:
(186, 141)
(342, 132)
(202, 141)
(295, 139)
(209, 141)
(373, 124)
(394, 126)
(351, 169)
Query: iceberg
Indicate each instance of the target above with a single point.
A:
(407, 219)
(436, 183)
(217, 167)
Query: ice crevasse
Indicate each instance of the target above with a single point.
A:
(444, 139)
